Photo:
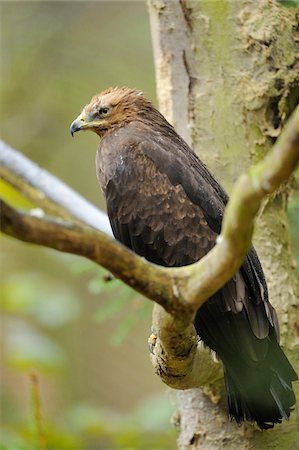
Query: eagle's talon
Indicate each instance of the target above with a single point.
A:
(152, 342)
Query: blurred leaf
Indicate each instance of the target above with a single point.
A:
(26, 348)
(126, 431)
(126, 324)
(14, 197)
(33, 293)
(113, 305)
(123, 303)
(99, 284)
(110, 309)
(81, 266)
(61, 439)
(12, 440)
(21, 438)
(289, 3)
(123, 329)
(154, 413)
(90, 419)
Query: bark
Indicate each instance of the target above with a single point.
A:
(228, 78)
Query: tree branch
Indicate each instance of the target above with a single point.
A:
(182, 356)
(95, 245)
(181, 291)
(47, 191)
(238, 221)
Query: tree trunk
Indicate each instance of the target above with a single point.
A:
(228, 78)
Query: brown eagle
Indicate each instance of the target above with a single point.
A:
(164, 204)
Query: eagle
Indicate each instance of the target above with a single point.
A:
(165, 205)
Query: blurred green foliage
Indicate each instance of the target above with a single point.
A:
(119, 301)
(34, 294)
(14, 197)
(289, 3)
(124, 304)
(33, 303)
(59, 313)
(86, 426)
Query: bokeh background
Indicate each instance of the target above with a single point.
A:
(84, 338)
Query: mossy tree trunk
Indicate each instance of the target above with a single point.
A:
(228, 78)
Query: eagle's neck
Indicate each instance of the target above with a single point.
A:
(112, 150)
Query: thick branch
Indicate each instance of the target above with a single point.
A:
(79, 239)
(173, 330)
(180, 360)
(240, 213)
(179, 290)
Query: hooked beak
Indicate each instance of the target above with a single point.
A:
(85, 122)
(79, 124)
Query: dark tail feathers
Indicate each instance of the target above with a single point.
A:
(262, 393)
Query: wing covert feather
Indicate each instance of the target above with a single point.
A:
(165, 205)
(157, 213)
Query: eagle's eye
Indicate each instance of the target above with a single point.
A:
(103, 111)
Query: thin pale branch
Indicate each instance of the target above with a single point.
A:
(47, 191)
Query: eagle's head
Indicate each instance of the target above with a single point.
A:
(111, 109)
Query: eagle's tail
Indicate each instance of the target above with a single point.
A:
(263, 393)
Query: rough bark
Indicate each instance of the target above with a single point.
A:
(228, 78)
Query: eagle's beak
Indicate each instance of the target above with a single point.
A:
(85, 122)
(78, 124)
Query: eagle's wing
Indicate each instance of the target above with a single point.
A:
(165, 207)
(152, 216)
(164, 204)
(183, 168)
